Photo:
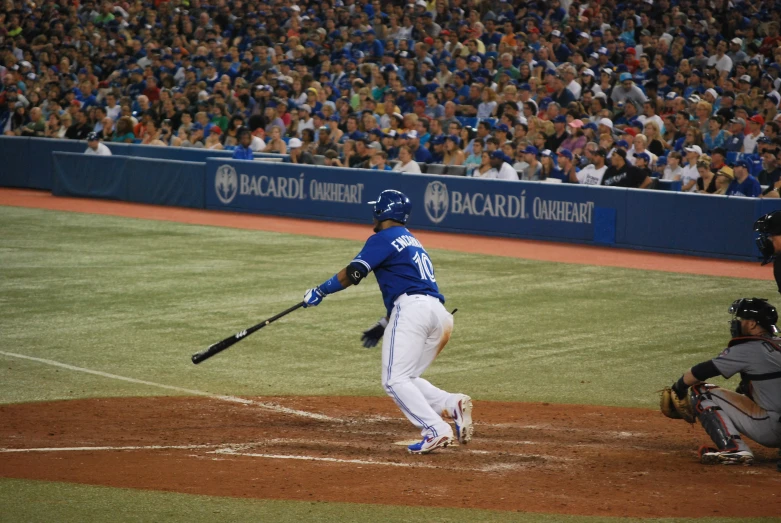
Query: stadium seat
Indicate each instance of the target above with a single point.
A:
(423, 167)
(435, 168)
(455, 170)
(319, 159)
(732, 157)
(491, 121)
(467, 121)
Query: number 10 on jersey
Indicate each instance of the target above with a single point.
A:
(425, 266)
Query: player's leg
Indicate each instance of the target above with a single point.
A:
(749, 419)
(457, 406)
(402, 345)
(718, 418)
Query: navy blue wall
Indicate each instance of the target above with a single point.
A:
(664, 221)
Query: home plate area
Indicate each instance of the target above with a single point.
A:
(529, 457)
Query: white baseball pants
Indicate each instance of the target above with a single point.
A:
(418, 329)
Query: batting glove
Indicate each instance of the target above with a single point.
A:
(313, 297)
(373, 335)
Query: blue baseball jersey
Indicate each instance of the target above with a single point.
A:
(400, 264)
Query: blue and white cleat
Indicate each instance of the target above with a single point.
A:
(429, 443)
(462, 416)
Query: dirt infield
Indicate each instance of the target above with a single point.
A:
(564, 459)
(525, 457)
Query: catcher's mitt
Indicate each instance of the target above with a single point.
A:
(674, 407)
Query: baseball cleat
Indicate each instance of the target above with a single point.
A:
(711, 456)
(428, 444)
(462, 415)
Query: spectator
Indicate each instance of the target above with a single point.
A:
(276, 144)
(107, 133)
(243, 150)
(594, 173)
(533, 166)
(548, 166)
(55, 127)
(124, 133)
(421, 154)
(706, 183)
(213, 140)
(94, 146)
(361, 155)
(771, 172)
(500, 163)
(744, 184)
(485, 170)
(673, 171)
(324, 142)
(628, 92)
(566, 171)
(406, 163)
(381, 158)
(298, 154)
(621, 174)
(690, 172)
(80, 129)
(724, 179)
(152, 134)
(36, 127)
(755, 124)
(453, 153)
(716, 137)
(474, 160)
(735, 142)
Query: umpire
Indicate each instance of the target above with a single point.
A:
(754, 409)
(769, 242)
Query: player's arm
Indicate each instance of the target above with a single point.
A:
(694, 376)
(373, 254)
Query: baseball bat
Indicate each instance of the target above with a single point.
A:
(228, 342)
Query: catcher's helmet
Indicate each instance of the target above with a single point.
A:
(757, 309)
(391, 205)
(767, 225)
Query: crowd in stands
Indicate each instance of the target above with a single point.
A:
(590, 92)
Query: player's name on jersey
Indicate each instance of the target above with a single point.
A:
(404, 241)
(293, 188)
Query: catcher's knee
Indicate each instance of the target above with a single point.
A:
(698, 394)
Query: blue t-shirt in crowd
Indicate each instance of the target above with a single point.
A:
(242, 153)
(400, 264)
(749, 187)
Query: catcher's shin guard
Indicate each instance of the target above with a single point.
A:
(711, 420)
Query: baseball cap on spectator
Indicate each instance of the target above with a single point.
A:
(742, 163)
(745, 78)
(502, 128)
(215, 129)
(333, 118)
(624, 77)
(672, 95)
(738, 120)
(577, 124)
(694, 99)
(623, 144)
(377, 132)
(587, 72)
(530, 149)
(560, 119)
(438, 140)
(91, 137)
(412, 135)
(547, 152)
(631, 131)
(566, 154)
(772, 96)
(662, 160)
(643, 156)
(693, 149)
(607, 122)
(590, 125)
(524, 87)
(757, 118)
(556, 33)
(737, 41)
(305, 107)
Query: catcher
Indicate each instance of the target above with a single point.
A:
(754, 409)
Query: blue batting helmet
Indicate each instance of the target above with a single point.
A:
(391, 205)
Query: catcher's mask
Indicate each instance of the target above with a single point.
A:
(757, 309)
(767, 226)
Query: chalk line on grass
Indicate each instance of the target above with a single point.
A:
(193, 392)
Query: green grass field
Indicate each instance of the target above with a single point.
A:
(136, 298)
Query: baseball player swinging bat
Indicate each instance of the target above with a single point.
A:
(231, 340)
